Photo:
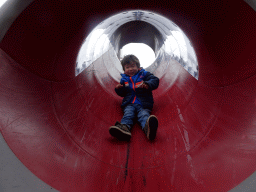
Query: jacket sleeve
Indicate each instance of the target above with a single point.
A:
(121, 91)
(152, 81)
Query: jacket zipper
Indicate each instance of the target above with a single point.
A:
(133, 89)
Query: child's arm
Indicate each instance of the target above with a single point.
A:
(118, 86)
(152, 81)
(120, 90)
(144, 86)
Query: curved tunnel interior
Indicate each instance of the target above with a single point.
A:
(137, 26)
(59, 69)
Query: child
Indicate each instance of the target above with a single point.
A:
(136, 87)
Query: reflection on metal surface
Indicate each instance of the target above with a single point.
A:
(252, 3)
(2, 2)
(179, 47)
(170, 40)
(94, 46)
(138, 15)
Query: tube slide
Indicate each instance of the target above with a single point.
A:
(55, 119)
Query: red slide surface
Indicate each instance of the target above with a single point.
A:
(57, 123)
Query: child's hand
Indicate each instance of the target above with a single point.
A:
(144, 86)
(118, 86)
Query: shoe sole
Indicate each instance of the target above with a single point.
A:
(119, 133)
(153, 125)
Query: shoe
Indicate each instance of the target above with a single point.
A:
(151, 127)
(120, 131)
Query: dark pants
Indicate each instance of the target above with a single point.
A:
(133, 110)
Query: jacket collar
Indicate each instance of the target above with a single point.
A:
(127, 76)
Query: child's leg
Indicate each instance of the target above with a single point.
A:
(122, 130)
(143, 115)
(149, 123)
(129, 115)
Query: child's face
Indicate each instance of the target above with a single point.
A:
(131, 69)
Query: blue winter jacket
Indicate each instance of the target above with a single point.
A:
(131, 91)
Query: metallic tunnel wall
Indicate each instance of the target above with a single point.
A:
(138, 32)
(57, 123)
